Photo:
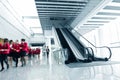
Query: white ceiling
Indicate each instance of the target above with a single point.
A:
(104, 13)
(58, 11)
(28, 12)
(85, 15)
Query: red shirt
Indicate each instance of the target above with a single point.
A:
(34, 51)
(6, 46)
(29, 50)
(0, 48)
(11, 50)
(16, 47)
(24, 46)
(37, 50)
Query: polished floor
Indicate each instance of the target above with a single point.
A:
(41, 69)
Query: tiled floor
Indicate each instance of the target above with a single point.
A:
(40, 69)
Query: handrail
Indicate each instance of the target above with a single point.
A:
(85, 38)
(72, 46)
(96, 46)
(93, 44)
(91, 50)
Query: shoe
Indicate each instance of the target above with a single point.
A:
(2, 69)
(22, 65)
(8, 66)
(16, 65)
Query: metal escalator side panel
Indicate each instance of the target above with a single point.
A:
(71, 57)
(73, 47)
(78, 44)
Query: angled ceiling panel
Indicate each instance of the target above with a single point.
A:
(87, 14)
(104, 18)
(58, 11)
(118, 1)
(94, 24)
(112, 7)
(108, 13)
(97, 21)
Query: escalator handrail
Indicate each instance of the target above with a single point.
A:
(96, 46)
(69, 41)
(110, 52)
(85, 38)
(91, 50)
(91, 43)
(73, 40)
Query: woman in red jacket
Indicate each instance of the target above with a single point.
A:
(0, 51)
(10, 55)
(23, 51)
(38, 52)
(29, 53)
(5, 51)
(16, 51)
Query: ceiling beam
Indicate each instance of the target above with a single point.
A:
(57, 14)
(48, 16)
(76, 13)
(58, 9)
(60, 6)
(68, 0)
(58, 3)
(98, 21)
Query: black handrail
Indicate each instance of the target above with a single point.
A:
(96, 46)
(93, 44)
(87, 49)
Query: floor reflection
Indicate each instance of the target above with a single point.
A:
(41, 69)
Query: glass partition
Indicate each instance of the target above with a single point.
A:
(60, 56)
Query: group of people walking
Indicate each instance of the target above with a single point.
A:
(33, 51)
(13, 50)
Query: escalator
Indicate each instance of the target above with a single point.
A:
(88, 57)
(81, 47)
(77, 43)
(71, 57)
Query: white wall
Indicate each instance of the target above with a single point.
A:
(38, 39)
(11, 25)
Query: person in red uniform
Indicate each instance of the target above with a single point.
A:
(16, 51)
(23, 51)
(5, 51)
(29, 52)
(34, 52)
(38, 52)
(10, 55)
(0, 51)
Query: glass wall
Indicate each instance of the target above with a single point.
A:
(107, 35)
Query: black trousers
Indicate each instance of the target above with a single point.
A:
(15, 57)
(4, 59)
(47, 55)
(22, 55)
